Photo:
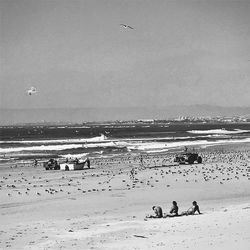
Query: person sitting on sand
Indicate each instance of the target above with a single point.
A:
(192, 210)
(173, 211)
(158, 212)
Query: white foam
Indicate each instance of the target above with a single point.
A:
(79, 156)
(79, 127)
(156, 151)
(131, 145)
(218, 131)
(41, 148)
(81, 140)
(117, 144)
(162, 146)
(60, 147)
(97, 141)
(17, 154)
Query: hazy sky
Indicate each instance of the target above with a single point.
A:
(77, 55)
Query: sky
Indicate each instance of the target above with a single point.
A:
(77, 55)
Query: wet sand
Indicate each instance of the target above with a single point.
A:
(104, 207)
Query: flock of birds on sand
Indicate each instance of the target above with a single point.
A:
(121, 174)
(127, 173)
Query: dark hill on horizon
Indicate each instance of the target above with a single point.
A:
(78, 115)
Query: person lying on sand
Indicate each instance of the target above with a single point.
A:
(173, 211)
(192, 210)
(157, 211)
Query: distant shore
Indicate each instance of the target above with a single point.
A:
(10, 116)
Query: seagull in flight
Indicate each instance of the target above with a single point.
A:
(31, 91)
(125, 26)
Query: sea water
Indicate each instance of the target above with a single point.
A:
(109, 139)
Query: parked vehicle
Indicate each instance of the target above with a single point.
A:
(52, 164)
(188, 157)
(69, 164)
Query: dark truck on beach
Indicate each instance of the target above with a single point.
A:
(52, 164)
(188, 157)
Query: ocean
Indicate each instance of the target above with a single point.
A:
(25, 143)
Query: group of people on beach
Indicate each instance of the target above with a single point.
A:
(174, 211)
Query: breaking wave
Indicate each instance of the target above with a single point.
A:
(163, 146)
(41, 148)
(218, 131)
(129, 145)
(79, 156)
(81, 140)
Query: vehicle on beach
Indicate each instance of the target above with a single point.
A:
(72, 166)
(68, 165)
(52, 164)
(188, 157)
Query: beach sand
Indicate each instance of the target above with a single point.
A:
(104, 207)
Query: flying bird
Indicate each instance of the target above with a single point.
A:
(125, 26)
(32, 91)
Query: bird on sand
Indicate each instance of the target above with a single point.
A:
(125, 26)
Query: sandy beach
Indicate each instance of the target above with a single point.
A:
(135, 106)
(104, 207)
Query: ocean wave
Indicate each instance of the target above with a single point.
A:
(79, 156)
(132, 145)
(161, 146)
(218, 131)
(17, 154)
(97, 141)
(60, 147)
(81, 140)
(41, 148)
(117, 144)
(156, 151)
(78, 127)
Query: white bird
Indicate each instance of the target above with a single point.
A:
(125, 26)
(32, 91)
